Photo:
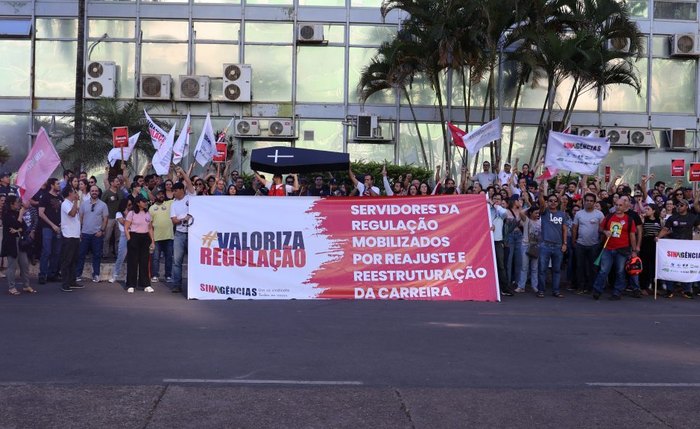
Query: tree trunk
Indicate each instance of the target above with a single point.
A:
(539, 129)
(436, 80)
(512, 121)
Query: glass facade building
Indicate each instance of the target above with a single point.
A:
(314, 84)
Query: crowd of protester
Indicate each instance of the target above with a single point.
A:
(584, 235)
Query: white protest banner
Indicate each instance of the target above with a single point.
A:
(157, 134)
(206, 147)
(576, 154)
(483, 135)
(162, 157)
(678, 260)
(182, 145)
(115, 154)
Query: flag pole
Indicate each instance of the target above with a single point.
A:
(597, 260)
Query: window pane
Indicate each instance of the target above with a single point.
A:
(639, 8)
(14, 136)
(334, 33)
(325, 135)
(124, 54)
(421, 92)
(477, 95)
(316, 83)
(661, 47)
(14, 74)
(371, 34)
(359, 58)
(56, 28)
(114, 28)
(264, 32)
(280, 2)
(205, 66)
(410, 151)
(320, 2)
(55, 69)
(587, 101)
(623, 98)
(371, 152)
(660, 164)
(219, 1)
(687, 11)
(673, 85)
(523, 141)
(228, 31)
(627, 162)
(366, 3)
(165, 30)
(164, 58)
(272, 72)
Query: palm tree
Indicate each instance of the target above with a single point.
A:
(99, 117)
(393, 68)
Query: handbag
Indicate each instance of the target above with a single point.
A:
(533, 250)
(25, 243)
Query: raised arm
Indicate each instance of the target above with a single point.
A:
(352, 177)
(387, 186)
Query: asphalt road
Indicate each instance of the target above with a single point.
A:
(101, 357)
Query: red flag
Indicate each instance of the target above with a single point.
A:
(457, 135)
(41, 161)
(548, 173)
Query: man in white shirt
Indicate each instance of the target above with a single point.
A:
(179, 215)
(498, 214)
(504, 176)
(70, 242)
(366, 189)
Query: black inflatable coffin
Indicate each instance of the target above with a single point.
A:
(283, 160)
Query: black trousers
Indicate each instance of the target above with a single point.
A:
(69, 260)
(137, 260)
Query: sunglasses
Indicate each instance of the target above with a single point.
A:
(92, 207)
(552, 201)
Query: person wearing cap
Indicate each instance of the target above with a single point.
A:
(680, 227)
(93, 220)
(180, 217)
(163, 234)
(6, 188)
(138, 228)
(486, 178)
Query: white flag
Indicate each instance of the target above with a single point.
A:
(577, 154)
(157, 134)
(162, 157)
(182, 145)
(206, 145)
(116, 153)
(483, 135)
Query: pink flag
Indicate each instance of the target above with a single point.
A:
(37, 168)
(549, 172)
(457, 135)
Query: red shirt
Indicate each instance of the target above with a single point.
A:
(620, 229)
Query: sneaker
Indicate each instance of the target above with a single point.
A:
(78, 279)
(130, 290)
(176, 290)
(112, 280)
(540, 295)
(688, 295)
(95, 279)
(636, 293)
(519, 290)
(154, 279)
(596, 295)
(669, 294)
(506, 293)
(168, 279)
(77, 286)
(149, 289)
(66, 289)
(557, 295)
(615, 297)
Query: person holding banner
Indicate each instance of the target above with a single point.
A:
(620, 231)
(680, 227)
(498, 215)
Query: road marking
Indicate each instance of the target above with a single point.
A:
(643, 384)
(236, 381)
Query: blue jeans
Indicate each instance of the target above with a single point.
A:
(179, 249)
(50, 253)
(121, 255)
(514, 258)
(165, 246)
(94, 244)
(550, 251)
(529, 265)
(613, 259)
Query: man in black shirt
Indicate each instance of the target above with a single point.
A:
(680, 227)
(318, 189)
(5, 187)
(50, 224)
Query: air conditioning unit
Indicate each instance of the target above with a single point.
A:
(684, 45)
(588, 132)
(247, 127)
(619, 44)
(281, 128)
(641, 137)
(237, 79)
(367, 127)
(310, 33)
(617, 136)
(192, 88)
(154, 87)
(100, 79)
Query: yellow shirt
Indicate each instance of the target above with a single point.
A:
(162, 225)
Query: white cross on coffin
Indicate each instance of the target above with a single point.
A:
(277, 155)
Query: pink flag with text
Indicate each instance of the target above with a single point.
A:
(41, 161)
